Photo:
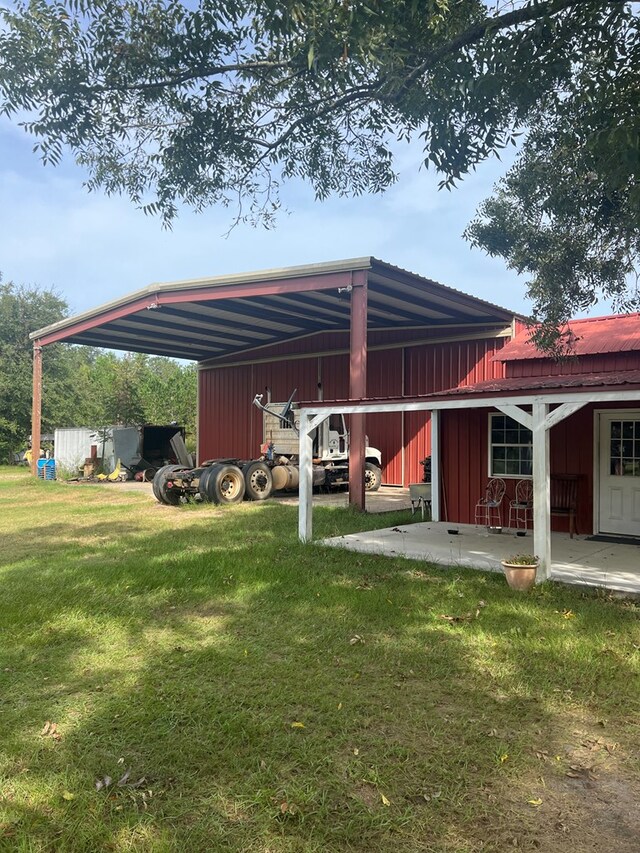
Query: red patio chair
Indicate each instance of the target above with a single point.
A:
(489, 507)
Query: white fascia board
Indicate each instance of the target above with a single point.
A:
(479, 402)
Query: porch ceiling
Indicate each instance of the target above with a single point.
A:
(210, 318)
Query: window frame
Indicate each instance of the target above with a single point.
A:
(491, 445)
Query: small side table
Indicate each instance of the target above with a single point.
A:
(420, 497)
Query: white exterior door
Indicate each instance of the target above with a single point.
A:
(619, 499)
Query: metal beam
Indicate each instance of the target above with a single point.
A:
(305, 485)
(177, 296)
(357, 388)
(36, 407)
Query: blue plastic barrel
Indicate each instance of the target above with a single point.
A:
(47, 469)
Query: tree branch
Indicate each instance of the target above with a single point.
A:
(510, 19)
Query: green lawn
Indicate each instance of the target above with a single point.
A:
(267, 696)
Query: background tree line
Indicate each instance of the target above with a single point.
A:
(82, 386)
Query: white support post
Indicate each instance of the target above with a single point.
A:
(305, 505)
(562, 412)
(308, 422)
(435, 465)
(518, 414)
(541, 491)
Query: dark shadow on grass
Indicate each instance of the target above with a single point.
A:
(228, 631)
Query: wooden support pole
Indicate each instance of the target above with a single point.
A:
(36, 407)
(357, 387)
(541, 491)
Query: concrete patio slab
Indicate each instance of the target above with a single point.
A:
(574, 561)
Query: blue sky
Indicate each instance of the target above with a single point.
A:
(92, 248)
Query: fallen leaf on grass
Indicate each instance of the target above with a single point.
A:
(103, 783)
(566, 614)
(297, 725)
(67, 795)
(576, 771)
(51, 730)
(464, 617)
(385, 801)
(536, 802)
(356, 639)
(123, 779)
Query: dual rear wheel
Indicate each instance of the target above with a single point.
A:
(222, 484)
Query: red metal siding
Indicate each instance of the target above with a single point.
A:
(326, 342)
(464, 442)
(436, 367)
(224, 402)
(384, 378)
(230, 425)
(604, 363)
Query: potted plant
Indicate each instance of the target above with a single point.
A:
(520, 571)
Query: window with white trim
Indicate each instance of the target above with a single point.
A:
(510, 448)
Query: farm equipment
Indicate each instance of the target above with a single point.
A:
(230, 480)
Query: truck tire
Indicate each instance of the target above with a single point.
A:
(372, 477)
(159, 486)
(203, 481)
(224, 484)
(258, 481)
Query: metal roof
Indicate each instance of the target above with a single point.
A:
(538, 383)
(214, 317)
(594, 336)
(496, 388)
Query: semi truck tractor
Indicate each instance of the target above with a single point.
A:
(275, 469)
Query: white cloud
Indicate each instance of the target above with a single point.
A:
(93, 248)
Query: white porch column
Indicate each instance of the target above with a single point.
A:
(305, 506)
(308, 422)
(435, 465)
(541, 491)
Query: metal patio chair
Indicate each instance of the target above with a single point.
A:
(521, 508)
(489, 507)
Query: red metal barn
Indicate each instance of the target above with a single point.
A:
(598, 444)
(422, 338)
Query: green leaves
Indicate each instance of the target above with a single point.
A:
(82, 386)
(217, 102)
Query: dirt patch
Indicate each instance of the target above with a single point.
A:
(368, 795)
(588, 805)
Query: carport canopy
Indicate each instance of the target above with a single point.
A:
(209, 318)
(214, 318)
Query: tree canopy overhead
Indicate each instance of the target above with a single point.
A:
(218, 101)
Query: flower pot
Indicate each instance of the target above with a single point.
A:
(518, 576)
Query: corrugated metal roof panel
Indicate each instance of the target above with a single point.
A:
(615, 333)
(205, 319)
(539, 383)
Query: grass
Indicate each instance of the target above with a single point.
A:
(274, 696)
